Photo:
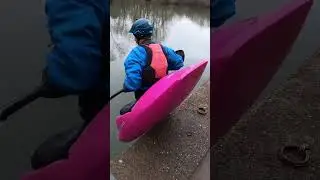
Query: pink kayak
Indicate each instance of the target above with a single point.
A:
(245, 56)
(162, 98)
(88, 157)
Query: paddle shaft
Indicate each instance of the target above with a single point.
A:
(19, 103)
(116, 94)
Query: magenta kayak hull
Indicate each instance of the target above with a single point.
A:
(89, 156)
(244, 58)
(161, 99)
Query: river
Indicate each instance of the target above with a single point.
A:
(178, 27)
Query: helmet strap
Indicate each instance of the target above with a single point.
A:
(142, 40)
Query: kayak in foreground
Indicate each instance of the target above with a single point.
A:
(88, 157)
(162, 98)
(245, 56)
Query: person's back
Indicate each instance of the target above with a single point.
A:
(148, 61)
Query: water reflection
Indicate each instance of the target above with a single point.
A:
(186, 28)
(124, 12)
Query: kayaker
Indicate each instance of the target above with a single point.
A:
(221, 11)
(76, 65)
(148, 61)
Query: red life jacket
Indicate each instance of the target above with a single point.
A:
(157, 64)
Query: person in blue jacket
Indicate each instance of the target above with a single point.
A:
(140, 60)
(221, 11)
(148, 61)
(76, 65)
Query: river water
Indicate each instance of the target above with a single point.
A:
(184, 28)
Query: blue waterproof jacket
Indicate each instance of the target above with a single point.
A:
(75, 27)
(137, 60)
(221, 10)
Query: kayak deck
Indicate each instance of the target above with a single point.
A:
(247, 56)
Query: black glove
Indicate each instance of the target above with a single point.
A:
(48, 90)
(181, 53)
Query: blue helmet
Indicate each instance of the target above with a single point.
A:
(142, 28)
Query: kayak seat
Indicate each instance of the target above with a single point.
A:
(127, 108)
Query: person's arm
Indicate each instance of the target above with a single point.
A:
(133, 69)
(221, 11)
(175, 61)
(75, 28)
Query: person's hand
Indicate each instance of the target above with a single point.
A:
(125, 89)
(181, 53)
(48, 90)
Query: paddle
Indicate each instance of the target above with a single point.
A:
(116, 94)
(19, 103)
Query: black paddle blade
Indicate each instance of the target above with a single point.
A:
(127, 108)
(55, 147)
